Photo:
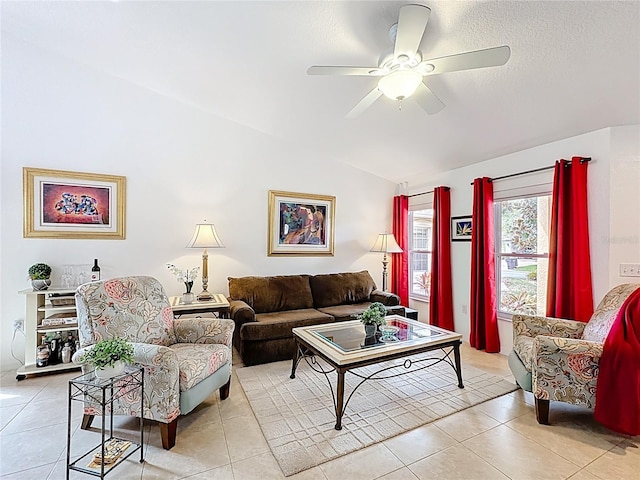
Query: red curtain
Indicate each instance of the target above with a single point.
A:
(569, 293)
(440, 296)
(400, 261)
(484, 317)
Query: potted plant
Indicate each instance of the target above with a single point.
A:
(40, 275)
(109, 357)
(373, 317)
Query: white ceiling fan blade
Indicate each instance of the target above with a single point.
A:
(427, 99)
(491, 57)
(365, 103)
(329, 70)
(411, 25)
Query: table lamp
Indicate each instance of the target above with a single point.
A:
(205, 237)
(386, 243)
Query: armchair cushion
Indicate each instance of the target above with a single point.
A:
(198, 361)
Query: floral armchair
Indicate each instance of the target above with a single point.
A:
(558, 359)
(185, 360)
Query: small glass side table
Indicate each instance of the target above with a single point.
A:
(101, 391)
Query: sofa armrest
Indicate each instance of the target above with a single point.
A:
(565, 366)
(532, 326)
(241, 313)
(385, 298)
(204, 330)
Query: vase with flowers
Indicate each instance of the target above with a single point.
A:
(186, 276)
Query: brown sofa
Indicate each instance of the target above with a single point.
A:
(265, 309)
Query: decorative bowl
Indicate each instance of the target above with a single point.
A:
(388, 332)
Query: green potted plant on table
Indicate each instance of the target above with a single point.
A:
(109, 357)
(40, 275)
(373, 317)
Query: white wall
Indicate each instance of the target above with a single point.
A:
(182, 164)
(614, 206)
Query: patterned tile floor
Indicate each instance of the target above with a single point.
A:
(499, 439)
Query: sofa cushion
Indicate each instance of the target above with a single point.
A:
(341, 288)
(349, 312)
(272, 294)
(269, 326)
(602, 319)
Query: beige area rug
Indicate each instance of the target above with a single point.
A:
(297, 416)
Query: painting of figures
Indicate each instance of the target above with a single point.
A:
(62, 204)
(300, 224)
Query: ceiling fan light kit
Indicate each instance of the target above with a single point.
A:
(400, 84)
(401, 69)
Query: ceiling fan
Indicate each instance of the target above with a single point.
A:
(401, 69)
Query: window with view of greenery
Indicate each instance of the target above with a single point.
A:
(421, 228)
(522, 254)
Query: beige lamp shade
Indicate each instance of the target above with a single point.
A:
(205, 236)
(386, 243)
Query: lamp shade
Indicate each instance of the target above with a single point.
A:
(386, 243)
(400, 84)
(205, 236)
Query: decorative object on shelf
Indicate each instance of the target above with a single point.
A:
(205, 236)
(42, 354)
(95, 271)
(40, 275)
(373, 317)
(385, 243)
(109, 357)
(461, 229)
(61, 204)
(301, 224)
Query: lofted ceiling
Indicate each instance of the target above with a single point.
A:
(574, 68)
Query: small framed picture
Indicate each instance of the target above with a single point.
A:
(461, 229)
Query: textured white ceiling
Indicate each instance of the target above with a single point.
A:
(574, 68)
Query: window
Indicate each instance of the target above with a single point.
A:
(421, 229)
(522, 254)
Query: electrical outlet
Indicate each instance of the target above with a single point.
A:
(18, 324)
(630, 269)
(464, 308)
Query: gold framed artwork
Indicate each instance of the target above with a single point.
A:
(61, 204)
(301, 224)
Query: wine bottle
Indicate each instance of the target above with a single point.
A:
(95, 271)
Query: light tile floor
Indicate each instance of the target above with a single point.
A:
(221, 440)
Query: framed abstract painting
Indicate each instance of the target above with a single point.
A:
(301, 224)
(461, 229)
(61, 204)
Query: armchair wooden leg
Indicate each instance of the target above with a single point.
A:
(542, 411)
(86, 421)
(168, 434)
(224, 390)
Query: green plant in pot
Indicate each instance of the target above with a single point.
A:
(109, 357)
(40, 275)
(373, 317)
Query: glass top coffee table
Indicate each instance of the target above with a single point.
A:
(344, 346)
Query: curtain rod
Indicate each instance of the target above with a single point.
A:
(418, 194)
(582, 160)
